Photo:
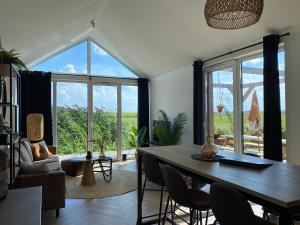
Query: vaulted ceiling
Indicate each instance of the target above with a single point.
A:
(152, 37)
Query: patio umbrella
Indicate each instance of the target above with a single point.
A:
(254, 117)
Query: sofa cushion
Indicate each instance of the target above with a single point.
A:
(40, 151)
(54, 166)
(52, 158)
(27, 157)
(24, 155)
(34, 167)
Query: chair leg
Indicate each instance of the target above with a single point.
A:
(200, 217)
(57, 213)
(173, 210)
(144, 186)
(160, 204)
(166, 210)
(206, 220)
(191, 216)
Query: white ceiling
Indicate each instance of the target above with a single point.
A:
(152, 37)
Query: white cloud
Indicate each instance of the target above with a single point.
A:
(99, 51)
(256, 60)
(70, 68)
(281, 66)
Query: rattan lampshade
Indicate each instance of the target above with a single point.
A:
(233, 14)
(35, 126)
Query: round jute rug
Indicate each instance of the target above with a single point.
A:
(122, 182)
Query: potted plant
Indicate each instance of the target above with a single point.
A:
(136, 139)
(12, 56)
(166, 132)
(103, 139)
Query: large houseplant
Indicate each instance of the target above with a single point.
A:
(166, 132)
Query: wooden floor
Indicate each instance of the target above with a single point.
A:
(108, 211)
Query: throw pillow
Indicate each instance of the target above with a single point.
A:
(40, 151)
(34, 167)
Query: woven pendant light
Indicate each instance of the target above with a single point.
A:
(233, 14)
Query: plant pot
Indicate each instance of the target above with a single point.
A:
(220, 108)
(124, 157)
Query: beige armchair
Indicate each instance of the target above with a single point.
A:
(53, 179)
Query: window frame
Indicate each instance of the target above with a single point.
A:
(89, 41)
(236, 63)
(91, 81)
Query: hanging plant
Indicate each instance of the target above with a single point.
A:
(220, 108)
(220, 105)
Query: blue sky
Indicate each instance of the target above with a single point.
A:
(225, 77)
(74, 61)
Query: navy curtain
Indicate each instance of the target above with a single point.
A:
(143, 107)
(36, 98)
(272, 111)
(199, 107)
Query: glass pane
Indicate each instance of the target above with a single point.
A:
(71, 118)
(253, 104)
(129, 118)
(105, 119)
(281, 66)
(71, 61)
(103, 64)
(221, 116)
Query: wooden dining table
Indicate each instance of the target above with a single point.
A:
(276, 187)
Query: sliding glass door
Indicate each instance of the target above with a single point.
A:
(221, 108)
(236, 104)
(95, 115)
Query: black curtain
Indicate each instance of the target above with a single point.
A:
(143, 107)
(272, 111)
(199, 107)
(36, 98)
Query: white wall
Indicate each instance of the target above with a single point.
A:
(173, 92)
(292, 47)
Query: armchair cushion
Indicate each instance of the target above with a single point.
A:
(40, 151)
(34, 167)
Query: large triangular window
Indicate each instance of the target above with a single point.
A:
(75, 61)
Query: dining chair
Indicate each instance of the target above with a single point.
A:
(194, 199)
(153, 174)
(230, 207)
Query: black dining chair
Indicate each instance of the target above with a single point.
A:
(230, 207)
(196, 200)
(153, 174)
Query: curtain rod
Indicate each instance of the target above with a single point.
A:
(240, 49)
